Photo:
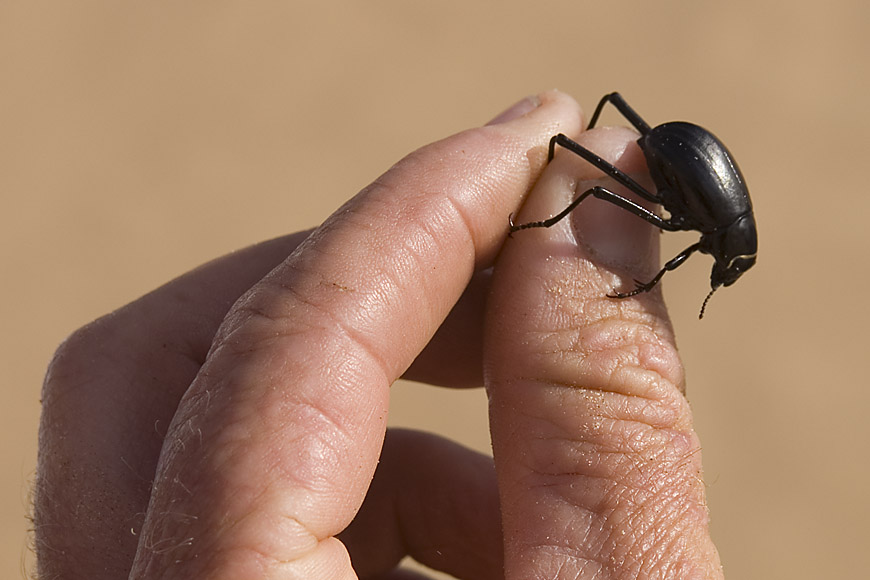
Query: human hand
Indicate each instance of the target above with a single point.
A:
(253, 393)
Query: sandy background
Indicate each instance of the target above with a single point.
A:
(138, 140)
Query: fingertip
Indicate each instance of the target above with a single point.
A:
(606, 234)
(569, 105)
(612, 236)
(549, 112)
(518, 109)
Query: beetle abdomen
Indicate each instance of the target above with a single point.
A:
(695, 175)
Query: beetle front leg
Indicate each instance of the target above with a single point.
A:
(672, 264)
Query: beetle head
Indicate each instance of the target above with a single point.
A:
(726, 275)
(734, 251)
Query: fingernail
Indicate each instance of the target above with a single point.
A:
(517, 110)
(612, 235)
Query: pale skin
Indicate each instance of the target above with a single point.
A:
(253, 392)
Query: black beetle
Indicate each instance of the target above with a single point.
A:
(697, 182)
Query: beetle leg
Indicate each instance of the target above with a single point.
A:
(608, 168)
(626, 111)
(672, 264)
(606, 195)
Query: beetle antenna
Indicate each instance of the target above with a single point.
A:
(704, 305)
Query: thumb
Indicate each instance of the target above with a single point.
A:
(598, 464)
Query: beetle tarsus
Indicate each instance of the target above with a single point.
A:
(639, 288)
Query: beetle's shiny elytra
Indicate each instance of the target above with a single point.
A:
(697, 182)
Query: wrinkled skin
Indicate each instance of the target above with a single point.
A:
(230, 423)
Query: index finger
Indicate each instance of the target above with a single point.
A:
(274, 444)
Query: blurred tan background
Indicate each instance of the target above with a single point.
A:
(138, 140)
